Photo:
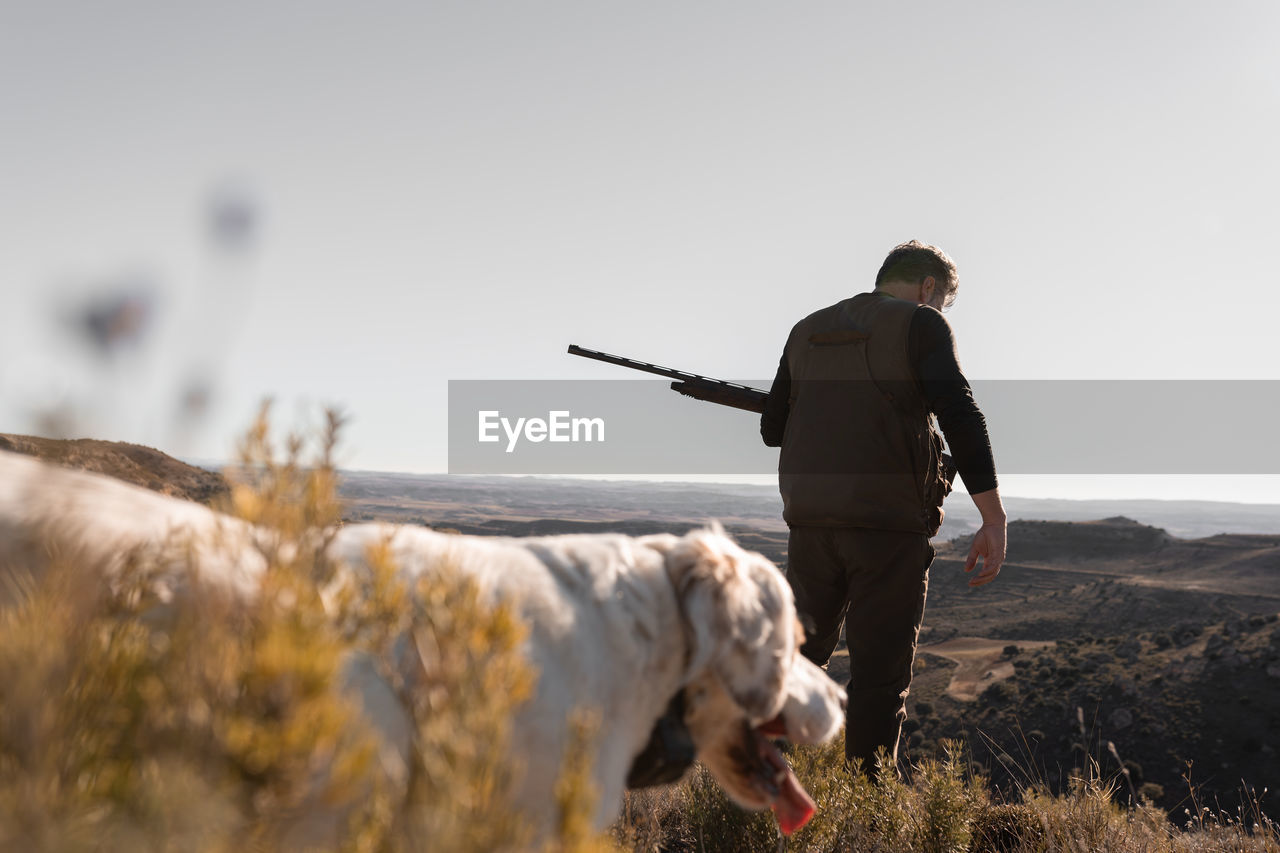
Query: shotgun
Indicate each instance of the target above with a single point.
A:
(689, 384)
(714, 390)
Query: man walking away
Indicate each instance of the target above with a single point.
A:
(853, 408)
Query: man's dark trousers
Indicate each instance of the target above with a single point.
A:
(875, 581)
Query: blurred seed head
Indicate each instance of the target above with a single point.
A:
(115, 317)
(195, 398)
(232, 219)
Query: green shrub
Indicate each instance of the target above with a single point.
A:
(1003, 694)
(1007, 828)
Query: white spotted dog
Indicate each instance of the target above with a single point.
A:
(616, 624)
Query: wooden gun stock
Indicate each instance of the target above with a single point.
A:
(723, 394)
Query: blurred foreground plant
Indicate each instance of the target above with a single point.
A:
(132, 720)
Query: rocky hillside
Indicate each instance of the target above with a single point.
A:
(1077, 540)
(133, 463)
(1194, 706)
(1110, 632)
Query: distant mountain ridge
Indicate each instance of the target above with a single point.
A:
(457, 501)
(472, 501)
(1117, 536)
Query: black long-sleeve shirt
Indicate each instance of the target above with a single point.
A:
(932, 350)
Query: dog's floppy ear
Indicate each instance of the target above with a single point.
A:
(700, 573)
(726, 617)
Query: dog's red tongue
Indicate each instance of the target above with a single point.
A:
(793, 806)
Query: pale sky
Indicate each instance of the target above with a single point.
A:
(459, 190)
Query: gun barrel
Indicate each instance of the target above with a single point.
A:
(668, 372)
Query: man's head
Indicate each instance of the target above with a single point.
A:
(921, 273)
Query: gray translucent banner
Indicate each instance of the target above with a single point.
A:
(630, 427)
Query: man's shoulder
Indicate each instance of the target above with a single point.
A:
(825, 315)
(817, 316)
(809, 322)
(929, 322)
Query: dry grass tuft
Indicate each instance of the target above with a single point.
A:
(941, 807)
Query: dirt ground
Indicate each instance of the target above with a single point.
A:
(980, 662)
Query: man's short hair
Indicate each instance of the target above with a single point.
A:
(910, 262)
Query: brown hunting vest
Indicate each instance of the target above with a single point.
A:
(860, 449)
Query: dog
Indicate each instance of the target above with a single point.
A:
(618, 625)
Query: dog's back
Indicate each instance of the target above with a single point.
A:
(51, 513)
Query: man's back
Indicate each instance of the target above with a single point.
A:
(858, 448)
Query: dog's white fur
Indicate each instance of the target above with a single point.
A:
(616, 624)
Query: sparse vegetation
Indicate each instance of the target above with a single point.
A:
(132, 723)
(941, 806)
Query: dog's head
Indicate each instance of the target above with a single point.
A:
(746, 680)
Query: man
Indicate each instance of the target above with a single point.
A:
(862, 483)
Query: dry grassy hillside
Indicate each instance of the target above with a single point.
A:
(133, 463)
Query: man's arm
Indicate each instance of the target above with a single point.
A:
(947, 392)
(773, 422)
